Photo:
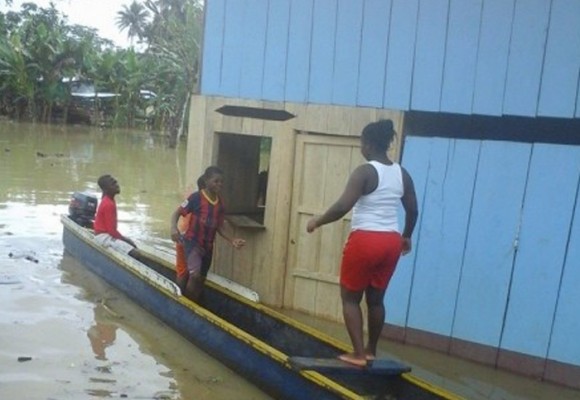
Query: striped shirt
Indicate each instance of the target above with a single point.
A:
(206, 218)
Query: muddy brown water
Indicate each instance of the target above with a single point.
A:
(65, 334)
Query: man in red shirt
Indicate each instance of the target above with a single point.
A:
(105, 225)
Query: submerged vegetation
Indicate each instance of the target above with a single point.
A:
(41, 54)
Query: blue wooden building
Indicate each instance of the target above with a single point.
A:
(485, 95)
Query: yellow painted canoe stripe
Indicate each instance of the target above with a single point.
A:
(430, 387)
(269, 350)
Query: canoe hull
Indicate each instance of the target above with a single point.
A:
(250, 338)
(271, 376)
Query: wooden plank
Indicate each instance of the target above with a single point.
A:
(399, 70)
(578, 100)
(347, 48)
(322, 53)
(212, 47)
(299, 35)
(312, 190)
(429, 55)
(493, 229)
(492, 56)
(447, 202)
(560, 75)
(328, 302)
(545, 226)
(278, 212)
(461, 56)
(564, 346)
(243, 221)
(254, 47)
(525, 58)
(373, 53)
(233, 44)
(276, 49)
(303, 299)
(416, 161)
(376, 367)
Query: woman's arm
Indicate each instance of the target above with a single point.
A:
(352, 192)
(409, 201)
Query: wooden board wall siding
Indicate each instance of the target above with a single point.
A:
(566, 321)
(461, 56)
(213, 37)
(545, 224)
(560, 81)
(349, 21)
(265, 264)
(416, 159)
(373, 53)
(401, 54)
(489, 57)
(484, 242)
(429, 59)
(447, 198)
(527, 46)
(495, 213)
(492, 56)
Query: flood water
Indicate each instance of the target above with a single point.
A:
(75, 336)
(65, 334)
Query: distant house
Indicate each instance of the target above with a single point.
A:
(94, 107)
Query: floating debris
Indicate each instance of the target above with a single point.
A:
(108, 309)
(29, 256)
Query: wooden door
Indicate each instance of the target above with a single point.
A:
(321, 170)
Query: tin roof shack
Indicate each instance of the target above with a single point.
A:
(306, 152)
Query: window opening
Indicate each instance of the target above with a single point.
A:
(245, 160)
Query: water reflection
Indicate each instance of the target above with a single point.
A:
(101, 335)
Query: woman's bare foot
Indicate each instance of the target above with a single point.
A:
(352, 359)
(370, 355)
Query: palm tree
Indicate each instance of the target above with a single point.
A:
(18, 73)
(173, 37)
(133, 19)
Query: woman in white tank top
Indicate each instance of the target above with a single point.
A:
(374, 192)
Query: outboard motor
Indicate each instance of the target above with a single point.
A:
(82, 209)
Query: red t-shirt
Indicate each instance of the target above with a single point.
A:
(106, 218)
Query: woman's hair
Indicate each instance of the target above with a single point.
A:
(209, 172)
(379, 134)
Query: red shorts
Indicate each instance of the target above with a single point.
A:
(197, 260)
(181, 261)
(369, 259)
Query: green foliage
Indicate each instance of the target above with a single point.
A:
(38, 49)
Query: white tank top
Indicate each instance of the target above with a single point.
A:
(378, 210)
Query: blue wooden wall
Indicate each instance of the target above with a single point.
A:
(497, 249)
(487, 57)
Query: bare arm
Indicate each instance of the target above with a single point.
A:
(174, 231)
(352, 192)
(409, 201)
(236, 242)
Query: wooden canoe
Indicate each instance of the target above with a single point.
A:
(254, 340)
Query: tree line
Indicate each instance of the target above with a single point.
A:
(40, 51)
